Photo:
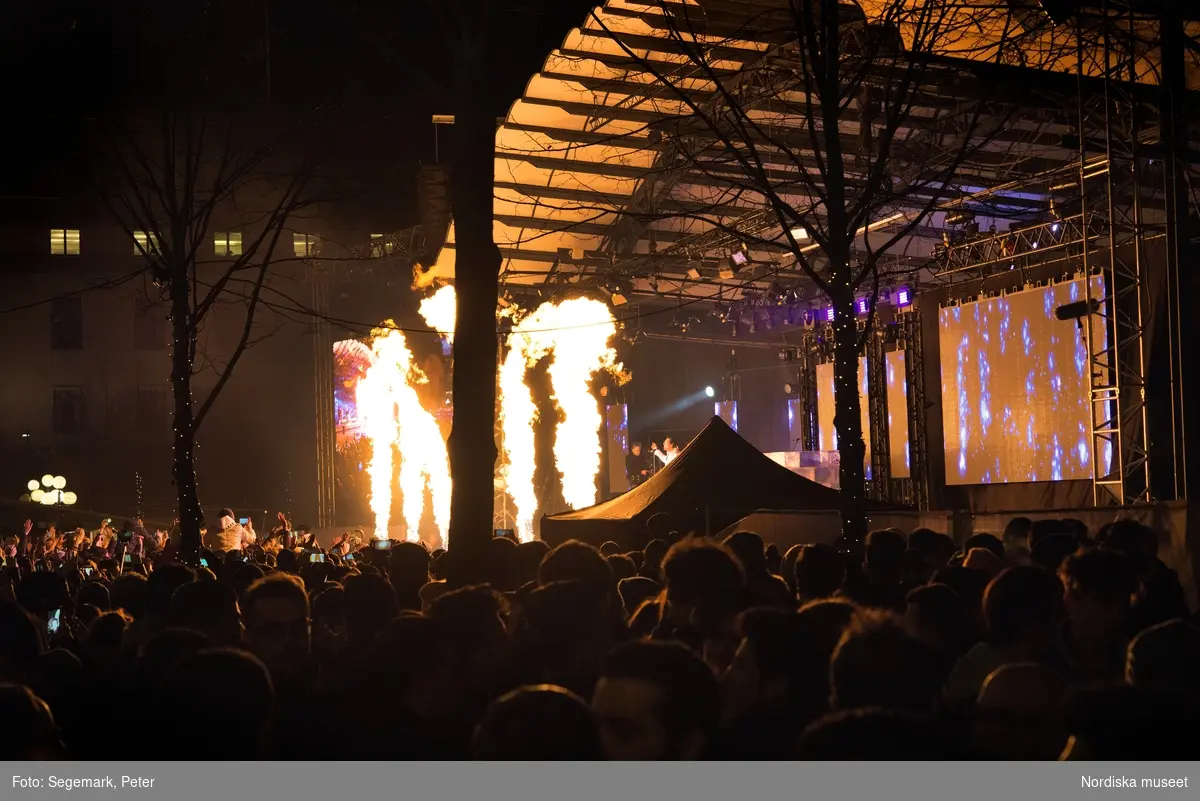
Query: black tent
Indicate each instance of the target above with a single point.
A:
(715, 481)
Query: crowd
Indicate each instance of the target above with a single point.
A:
(1051, 642)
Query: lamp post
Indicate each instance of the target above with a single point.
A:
(50, 491)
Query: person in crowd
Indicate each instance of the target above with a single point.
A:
(1024, 616)
(819, 573)
(656, 701)
(542, 723)
(690, 647)
(637, 465)
(228, 535)
(1100, 586)
(878, 663)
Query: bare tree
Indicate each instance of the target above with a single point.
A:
(208, 202)
(830, 148)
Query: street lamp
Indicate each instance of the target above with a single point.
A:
(49, 492)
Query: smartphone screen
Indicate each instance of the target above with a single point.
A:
(53, 622)
(316, 558)
(203, 562)
(383, 545)
(87, 572)
(243, 520)
(349, 557)
(128, 559)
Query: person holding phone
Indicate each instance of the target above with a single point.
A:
(228, 535)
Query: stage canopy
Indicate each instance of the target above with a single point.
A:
(715, 481)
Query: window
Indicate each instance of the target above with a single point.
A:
(305, 244)
(68, 410)
(149, 325)
(154, 408)
(145, 242)
(381, 245)
(64, 241)
(228, 243)
(66, 323)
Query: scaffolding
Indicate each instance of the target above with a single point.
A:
(914, 383)
(323, 389)
(1116, 332)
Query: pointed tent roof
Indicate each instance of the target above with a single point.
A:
(715, 481)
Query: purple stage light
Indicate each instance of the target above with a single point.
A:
(903, 296)
(829, 314)
(861, 306)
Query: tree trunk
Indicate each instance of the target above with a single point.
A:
(472, 445)
(847, 420)
(183, 468)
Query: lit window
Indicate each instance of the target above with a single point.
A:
(381, 245)
(145, 242)
(64, 241)
(228, 243)
(305, 244)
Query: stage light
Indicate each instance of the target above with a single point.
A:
(799, 234)
(1054, 228)
(862, 306)
(740, 257)
(1077, 310)
(618, 299)
(709, 391)
(903, 296)
(693, 274)
(726, 272)
(829, 314)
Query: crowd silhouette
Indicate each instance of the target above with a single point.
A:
(1050, 642)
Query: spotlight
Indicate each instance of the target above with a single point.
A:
(829, 314)
(959, 217)
(1054, 228)
(861, 306)
(726, 272)
(788, 389)
(903, 296)
(799, 234)
(693, 273)
(740, 257)
(618, 299)
(1077, 310)
(709, 391)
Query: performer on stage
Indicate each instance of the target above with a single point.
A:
(668, 453)
(637, 465)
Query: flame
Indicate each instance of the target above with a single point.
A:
(377, 422)
(390, 395)
(576, 332)
(439, 311)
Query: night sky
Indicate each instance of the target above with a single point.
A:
(63, 62)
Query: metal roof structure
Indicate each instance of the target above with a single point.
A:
(603, 178)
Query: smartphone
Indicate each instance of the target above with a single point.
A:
(506, 532)
(243, 520)
(316, 558)
(128, 560)
(383, 545)
(349, 557)
(203, 562)
(53, 622)
(87, 572)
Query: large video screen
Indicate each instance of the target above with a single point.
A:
(897, 408)
(1015, 388)
(897, 399)
(351, 358)
(826, 408)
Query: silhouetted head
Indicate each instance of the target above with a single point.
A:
(537, 723)
(210, 607)
(656, 701)
(878, 663)
(820, 571)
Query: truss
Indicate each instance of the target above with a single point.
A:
(914, 379)
(877, 415)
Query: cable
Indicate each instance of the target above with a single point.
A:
(112, 283)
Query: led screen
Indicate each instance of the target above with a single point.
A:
(897, 406)
(1015, 388)
(351, 359)
(826, 408)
